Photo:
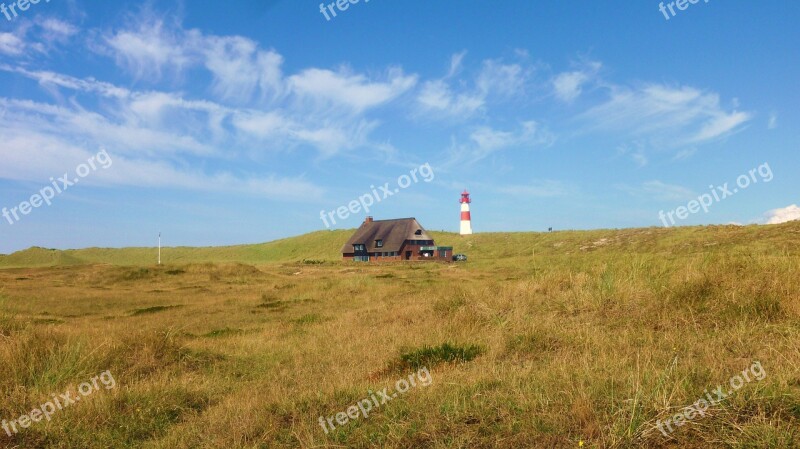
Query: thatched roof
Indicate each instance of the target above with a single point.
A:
(393, 233)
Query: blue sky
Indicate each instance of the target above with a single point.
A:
(238, 122)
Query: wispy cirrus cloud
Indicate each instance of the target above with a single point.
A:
(485, 141)
(57, 140)
(150, 48)
(157, 136)
(36, 38)
(353, 91)
(241, 69)
(462, 99)
(666, 116)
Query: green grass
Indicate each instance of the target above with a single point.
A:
(493, 249)
(316, 247)
(154, 309)
(226, 332)
(540, 340)
(431, 356)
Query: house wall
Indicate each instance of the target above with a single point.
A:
(440, 255)
(415, 254)
(351, 257)
(416, 249)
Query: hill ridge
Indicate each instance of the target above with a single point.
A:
(325, 245)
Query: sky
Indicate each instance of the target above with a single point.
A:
(219, 123)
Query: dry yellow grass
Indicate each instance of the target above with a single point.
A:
(592, 341)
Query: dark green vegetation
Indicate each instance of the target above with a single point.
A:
(431, 356)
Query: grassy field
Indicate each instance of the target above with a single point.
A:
(565, 340)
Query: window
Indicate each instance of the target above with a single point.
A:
(418, 232)
(379, 243)
(359, 248)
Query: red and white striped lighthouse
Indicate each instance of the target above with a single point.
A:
(466, 220)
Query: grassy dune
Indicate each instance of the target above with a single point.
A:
(326, 243)
(541, 340)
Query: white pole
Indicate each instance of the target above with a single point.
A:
(159, 248)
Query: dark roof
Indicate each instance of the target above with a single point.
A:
(393, 233)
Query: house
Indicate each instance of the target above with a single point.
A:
(393, 240)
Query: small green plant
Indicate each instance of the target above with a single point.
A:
(271, 302)
(154, 309)
(448, 305)
(226, 332)
(310, 318)
(533, 343)
(429, 356)
(135, 274)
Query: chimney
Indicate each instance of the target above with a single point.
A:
(369, 220)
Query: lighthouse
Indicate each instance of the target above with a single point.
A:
(466, 220)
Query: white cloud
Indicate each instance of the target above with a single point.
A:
(47, 79)
(10, 44)
(244, 73)
(28, 117)
(56, 30)
(720, 125)
(569, 85)
(57, 153)
(448, 98)
(666, 116)
(502, 79)
(153, 48)
(265, 109)
(773, 121)
(635, 151)
(485, 141)
(353, 91)
(456, 63)
(489, 139)
(240, 68)
(263, 125)
(685, 153)
(437, 98)
(783, 215)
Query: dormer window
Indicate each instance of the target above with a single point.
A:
(418, 232)
(379, 243)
